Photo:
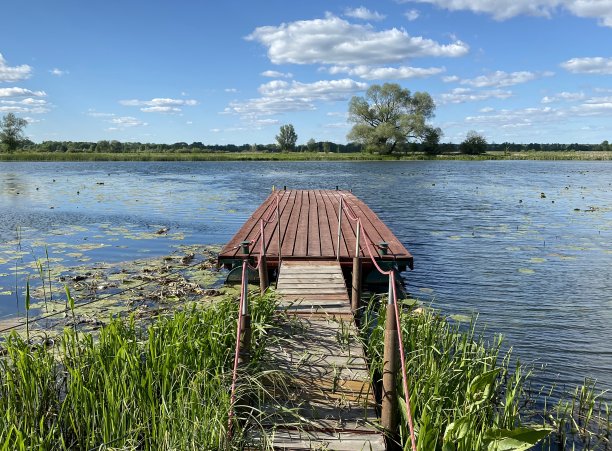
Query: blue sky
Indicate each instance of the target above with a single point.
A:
(234, 71)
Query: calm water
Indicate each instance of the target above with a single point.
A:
(537, 269)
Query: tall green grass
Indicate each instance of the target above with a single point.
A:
(463, 394)
(166, 387)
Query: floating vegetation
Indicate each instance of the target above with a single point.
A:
(526, 271)
(537, 260)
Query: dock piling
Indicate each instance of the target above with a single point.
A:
(388, 416)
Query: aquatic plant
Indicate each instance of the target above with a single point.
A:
(463, 394)
(165, 387)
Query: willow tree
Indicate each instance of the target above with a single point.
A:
(11, 131)
(389, 116)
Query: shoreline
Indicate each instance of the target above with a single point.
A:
(303, 156)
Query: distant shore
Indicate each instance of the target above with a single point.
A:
(298, 156)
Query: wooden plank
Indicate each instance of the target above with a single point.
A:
(325, 233)
(292, 220)
(302, 231)
(314, 235)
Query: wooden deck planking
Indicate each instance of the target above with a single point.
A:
(308, 229)
(328, 377)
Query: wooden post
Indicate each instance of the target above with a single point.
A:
(263, 274)
(356, 285)
(245, 337)
(263, 262)
(388, 417)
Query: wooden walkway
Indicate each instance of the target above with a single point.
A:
(309, 230)
(328, 373)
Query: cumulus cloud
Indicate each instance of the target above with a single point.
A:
(14, 73)
(230, 90)
(563, 96)
(276, 74)
(334, 41)
(506, 9)
(462, 95)
(363, 13)
(127, 122)
(280, 96)
(387, 73)
(58, 72)
(20, 92)
(500, 79)
(327, 90)
(21, 100)
(159, 105)
(160, 109)
(412, 14)
(593, 65)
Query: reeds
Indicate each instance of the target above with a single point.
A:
(462, 393)
(166, 387)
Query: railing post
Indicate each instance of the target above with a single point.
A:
(356, 285)
(339, 230)
(278, 223)
(245, 324)
(388, 417)
(263, 263)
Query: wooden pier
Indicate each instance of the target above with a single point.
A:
(320, 353)
(309, 230)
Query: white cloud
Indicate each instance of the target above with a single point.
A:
(94, 113)
(160, 109)
(335, 41)
(279, 96)
(593, 65)
(501, 79)
(486, 109)
(363, 13)
(387, 73)
(159, 105)
(158, 102)
(276, 74)
(462, 95)
(15, 73)
(563, 96)
(506, 9)
(230, 90)
(20, 92)
(412, 14)
(327, 90)
(266, 106)
(58, 72)
(450, 79)
(127, 122)
(264, 122)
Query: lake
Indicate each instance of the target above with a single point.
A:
(526, 245)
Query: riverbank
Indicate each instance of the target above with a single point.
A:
(297, 156)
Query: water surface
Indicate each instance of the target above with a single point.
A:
(525, 244)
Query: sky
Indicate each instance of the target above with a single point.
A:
(233, 72)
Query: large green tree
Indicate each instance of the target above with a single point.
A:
(287, 137)
(473, 144)
(390, 116)
(11, 131)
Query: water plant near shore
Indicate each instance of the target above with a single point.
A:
(465, 395)
(165, 387)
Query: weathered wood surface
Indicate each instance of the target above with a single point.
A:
(328, 375)
(309, 227)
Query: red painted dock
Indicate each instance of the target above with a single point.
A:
(309, 230)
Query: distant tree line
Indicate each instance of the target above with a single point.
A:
(311, 146)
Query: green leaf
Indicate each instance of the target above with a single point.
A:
(70, 299)
(481, 387)
(516, 440)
